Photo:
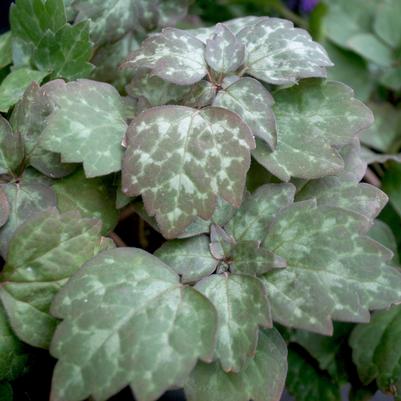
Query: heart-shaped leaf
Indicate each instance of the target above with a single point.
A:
(137, 325)
(180, 159)
(173, 55)
(279, 54)
(331, 116)
(87, 125)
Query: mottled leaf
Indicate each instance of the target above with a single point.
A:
(376, 350)
(382, 233)
(306, 383)
(278, 53)
(242, 307)
(136, 325)
(248, 257)
(65, 53)
(224, 53)
(86, 126)
(4, 208)
(262, 379)
(190, 258)
(258, 210)
(253, 103)
(25, 201)
(173, 55)
(13, 355)
(155, 90)
(14, 85)
(93, 198)
(329, 113)
(201, 95)
(11, 149)
(43, 254)
(5, 49)
(334, 270)
(180, 159)
(29, 120)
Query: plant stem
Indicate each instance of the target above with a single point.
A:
(371, 178)
(117, 240)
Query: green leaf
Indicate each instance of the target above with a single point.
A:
(350, 69)
(93, 198)
(155, 90)
(384, 134)
(382, 233)
(11, 149)
(29, 119)
(13, 356)
(30, 20)
(173, 55)
(392, 186)
(259, 210)
(108, 58)
(391, 78)
(334, 270)
(25, 201)
(180, 159)
(278, 53)
(33, 275)
(85, 112)
(242, 307)
(306, 383)
(376, 350)
(327, 350)
(224, 53)
(355, 17)
(331, 116)
(387, 23)
(253, 103)
(4, 208)
(6, 392)
(14, 85)
(151, 332)
(248, 257)
(370, 47)
(262, 379)
(190, 258)
(65, 53)
(5, 49)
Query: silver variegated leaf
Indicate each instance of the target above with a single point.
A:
(258, 210)
(224, 52)
(234, 25)
(253, 103)
(11, 148)
(190, 258)
(328, 113)
(87, 125)
(173, 55)
(43, 254)
(278, 53)
(155, 90)
(334, 270)
(200, 95)
(262, 379)
(242, 307)
(29, 119)
(137, 325)
(25, 200)
(180, 159)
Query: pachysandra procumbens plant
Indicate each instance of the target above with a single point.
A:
(199, 313)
